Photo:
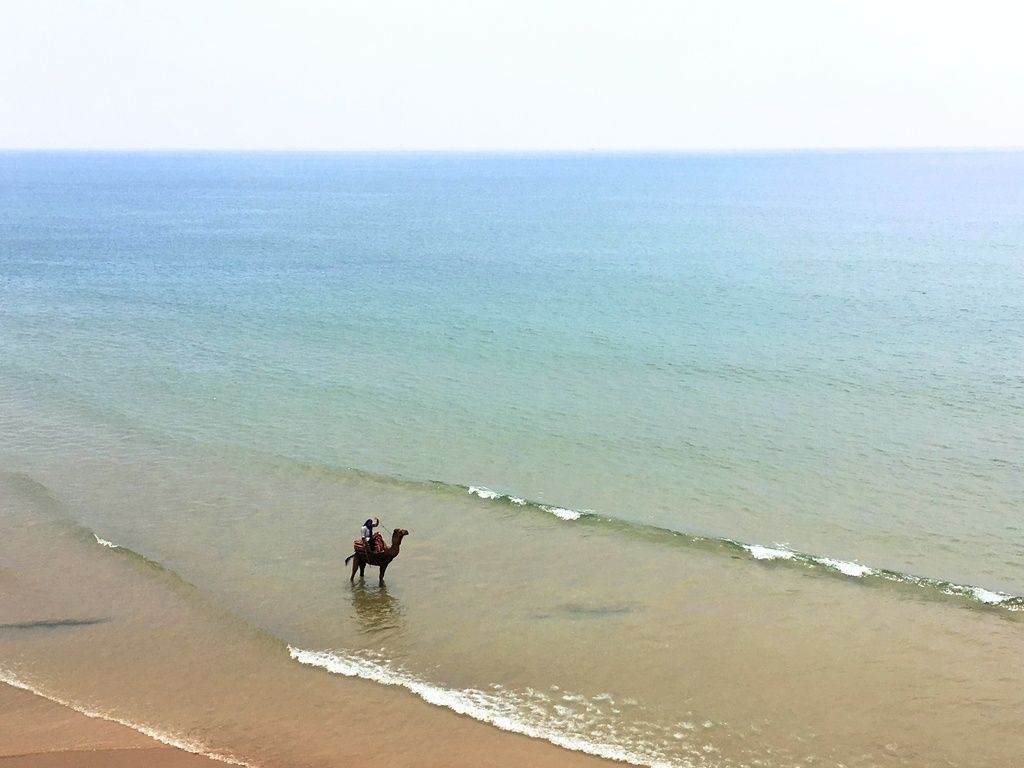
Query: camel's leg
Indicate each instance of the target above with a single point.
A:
(383, 568)
(362, 568)
(355, 564)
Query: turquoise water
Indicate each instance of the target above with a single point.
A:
(822, 351)
(780, 394)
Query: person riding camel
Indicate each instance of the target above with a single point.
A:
(368, 540)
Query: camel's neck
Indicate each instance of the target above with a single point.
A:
(396, 543)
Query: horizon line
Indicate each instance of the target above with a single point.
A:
(497, 151)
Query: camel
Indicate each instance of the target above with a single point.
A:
(381, 558)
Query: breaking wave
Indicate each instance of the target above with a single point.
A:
(777, 553)
(975, 594)
(572, 721)
(821, 563)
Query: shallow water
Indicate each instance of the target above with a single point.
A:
(707, 461)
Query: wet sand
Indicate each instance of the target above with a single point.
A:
(37, 733)
(158, 757)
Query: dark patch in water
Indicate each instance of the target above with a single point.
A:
(55, 623)
(578, 609)
(583, 611)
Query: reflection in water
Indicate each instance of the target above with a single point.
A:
(377, 612)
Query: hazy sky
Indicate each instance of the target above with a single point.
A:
(477, 75)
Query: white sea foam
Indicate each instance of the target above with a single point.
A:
(188, 745)
(499, 710)
(845, 567)
(987, 596)
(768, 553)
(105, 543)
(484, 493)
(565, 514)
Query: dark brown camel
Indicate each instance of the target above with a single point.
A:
(381, 559)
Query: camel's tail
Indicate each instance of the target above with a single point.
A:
(349, 558)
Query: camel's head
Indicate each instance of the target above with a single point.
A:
(401, 533)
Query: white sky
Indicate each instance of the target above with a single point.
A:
(522, 75)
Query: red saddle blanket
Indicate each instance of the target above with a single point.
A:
(360, 546)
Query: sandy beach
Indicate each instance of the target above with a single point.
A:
(39, 733)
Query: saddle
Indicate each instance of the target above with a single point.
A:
(378, 541)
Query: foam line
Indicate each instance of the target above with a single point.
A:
(778, 552)
(490, 708)
(768, 553)
(845, 567)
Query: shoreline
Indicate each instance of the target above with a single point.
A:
(40, 733)
(37, 732)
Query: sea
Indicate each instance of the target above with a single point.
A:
(706, 460)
